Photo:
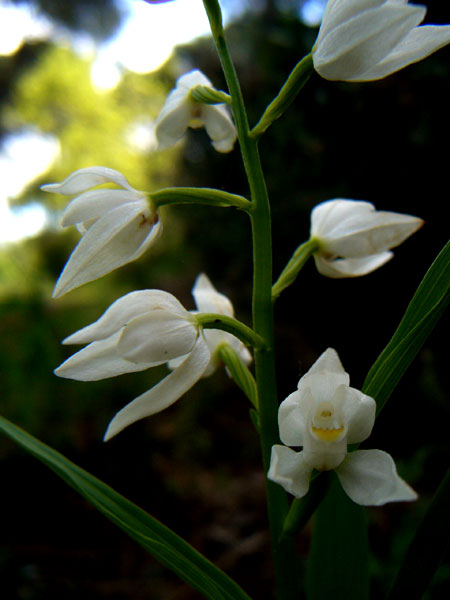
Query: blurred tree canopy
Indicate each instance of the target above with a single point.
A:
(196, 466)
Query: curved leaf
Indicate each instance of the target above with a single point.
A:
(423, 312)
(165, 545)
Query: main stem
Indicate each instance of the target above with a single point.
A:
(286, 571)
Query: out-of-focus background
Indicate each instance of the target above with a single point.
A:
(80, 84)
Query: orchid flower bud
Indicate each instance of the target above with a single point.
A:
(355, 239)
(181, 111)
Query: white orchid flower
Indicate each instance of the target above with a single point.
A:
(209, 300)
(365, 40)
(324, 415)
(145, 329)
(117, 225)
(180, 111)
(354, 239)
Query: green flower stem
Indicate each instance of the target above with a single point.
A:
(209, 196)
(294, 83)
(239, 372)
(233, 326)
(294, 266)
(286, 568)
(302, 509)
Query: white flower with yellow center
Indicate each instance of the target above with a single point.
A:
(364, 40)
(117, 225)
(181, 111)
(354, 238)
(323, 416)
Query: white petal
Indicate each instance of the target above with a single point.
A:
(83, 179)
(165, 393)
(219, 126)
(99, 360)
(337, 12)
(159, 335)
(351, 267)
(288, 469)
(293, 417)
(351, 49)
(192, 79)
(326, 216)
(329, 362)
(418, 44)
(95, 203)
(171, 125)
(208, 299)
(370, 478)
(122, 311)
(365, 235)
(359, 413)
(117, 238)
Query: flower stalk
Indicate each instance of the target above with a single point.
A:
(286, 571)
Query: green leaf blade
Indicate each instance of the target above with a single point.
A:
(338, 563)
(423, 312)
(165, 545)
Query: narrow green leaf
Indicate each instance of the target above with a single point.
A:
(426, 549)
(165, 545)
(338, 562)
(425, 309)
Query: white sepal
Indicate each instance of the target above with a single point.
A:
(290, 470)
(165, 393)
(83, 179)
(115, 239)
(365, 40)
(369, 477)
(122, 311)
(100, 360)
(159, 335)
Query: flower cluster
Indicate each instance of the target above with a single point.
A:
(359, 40)
(145, 329)
(323, 416)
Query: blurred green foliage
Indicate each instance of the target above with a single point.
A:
(196, 466)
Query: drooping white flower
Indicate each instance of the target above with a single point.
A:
(180, 111)
(323, 416)
(209, 300)
(117, 225)
(145, 329)
(365, 40)
(354, 239)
